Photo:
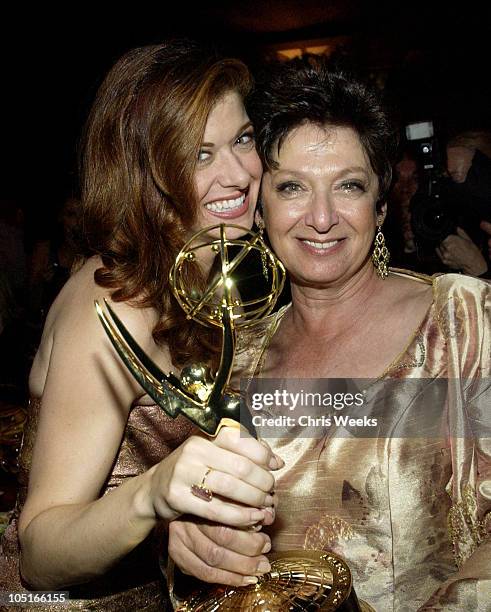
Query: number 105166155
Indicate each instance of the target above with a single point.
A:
(31, 598)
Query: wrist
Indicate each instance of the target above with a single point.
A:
(150, 502)
(142, 505)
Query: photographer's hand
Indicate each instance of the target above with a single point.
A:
(486, 227)
(460, 253)
(459, 161)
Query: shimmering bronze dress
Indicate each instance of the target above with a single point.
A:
(410, 513)
(136, 583)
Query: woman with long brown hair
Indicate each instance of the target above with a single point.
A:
(168, 149)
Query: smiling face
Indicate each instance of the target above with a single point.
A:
(319, 205)
(229, 171)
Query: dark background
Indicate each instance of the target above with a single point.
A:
(433, 60)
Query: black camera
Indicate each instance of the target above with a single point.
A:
(440, 205)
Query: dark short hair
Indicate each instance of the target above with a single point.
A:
(308, 90)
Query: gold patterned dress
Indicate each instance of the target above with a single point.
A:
(408, 510)
(136, 583)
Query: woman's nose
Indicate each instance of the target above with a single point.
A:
(322, 213)
(233, 172)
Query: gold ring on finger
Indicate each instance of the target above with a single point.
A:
(200, 491)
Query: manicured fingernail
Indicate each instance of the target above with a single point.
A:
(268, 500)
(276, 462)
(256, 527)
(263, 567)
(271, 511)
(257, 515)
(281, 463)
(266, 547)
(250, 580)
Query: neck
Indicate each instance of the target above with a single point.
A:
(205, 256)
(205, 262)
(325, 309)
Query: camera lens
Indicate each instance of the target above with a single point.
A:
(435, 218)
(432, 220)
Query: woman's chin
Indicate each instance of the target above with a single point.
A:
(320, 280)
(332, 276)
(243, 221)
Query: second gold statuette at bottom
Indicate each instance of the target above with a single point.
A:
(299, 580)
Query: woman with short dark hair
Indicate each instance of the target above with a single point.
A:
(407, 502)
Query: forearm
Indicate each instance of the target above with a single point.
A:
(71, 544)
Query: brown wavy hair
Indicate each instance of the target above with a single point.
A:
(138, 159)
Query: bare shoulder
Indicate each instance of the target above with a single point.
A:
(87, 394)
(72, 326)
(77, 297)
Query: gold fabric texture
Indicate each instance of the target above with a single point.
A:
(410, 514)
(136, 583)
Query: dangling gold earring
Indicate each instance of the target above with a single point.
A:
(380, 255)
(264, 255)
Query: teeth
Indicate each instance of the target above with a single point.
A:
(321, 245)
(226, 204)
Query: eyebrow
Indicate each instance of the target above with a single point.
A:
(353, 170)
(238, 133)
(343, 172)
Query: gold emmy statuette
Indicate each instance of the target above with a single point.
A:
(196, 394)
(299, 580)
